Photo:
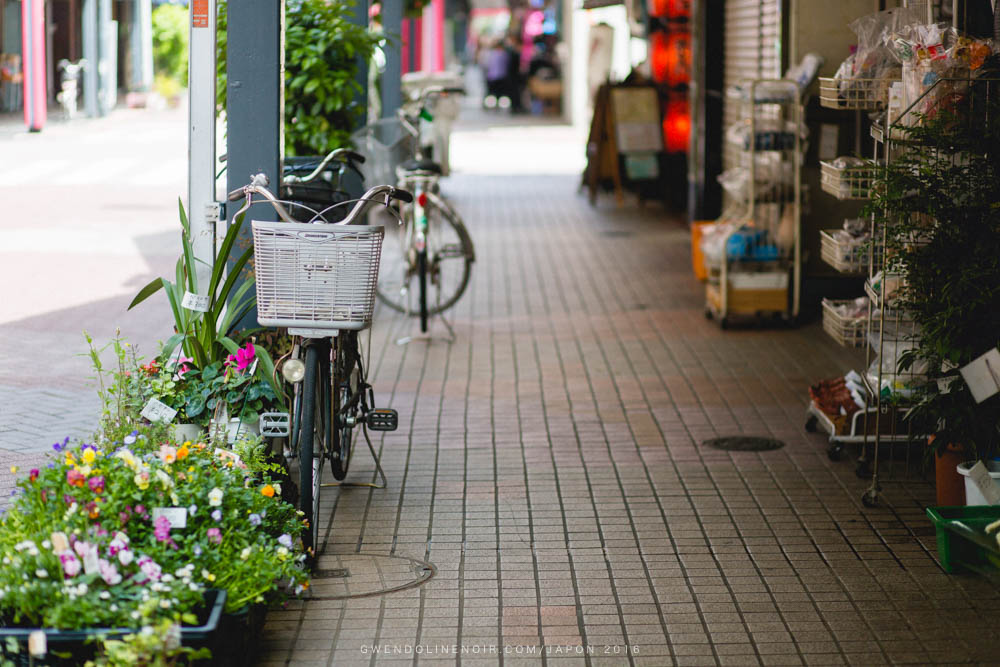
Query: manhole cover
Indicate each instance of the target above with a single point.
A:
(341, 576)
(743, 443)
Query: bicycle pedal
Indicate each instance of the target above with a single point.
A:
(383, 419)
(275, 424)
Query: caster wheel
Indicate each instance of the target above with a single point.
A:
(811, 424)
(708, 314)
(863, 470)
(870, 498)
(834, 452)
(724, 323)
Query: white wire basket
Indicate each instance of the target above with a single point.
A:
(385, 144)
(846, 182)
(863, 94)
(843, 256)
(849, 332)
(316, 276)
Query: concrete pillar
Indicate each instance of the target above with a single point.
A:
(392, 24)
(141, 46)
(91, 53)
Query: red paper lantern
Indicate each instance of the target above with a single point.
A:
(670, 57)
(677, 126)
(669, 9)
(658, 8)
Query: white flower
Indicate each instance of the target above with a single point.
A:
(41, 574)
(46, 544)
(164, 479)
(193, 586)
(165, 604)
(125, 557)
(81, 589)
(167, 578)
(277, 488)
(104, 595)
(245, 553)
(215, 497)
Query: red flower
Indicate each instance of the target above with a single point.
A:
(75, 478)
(33, 475)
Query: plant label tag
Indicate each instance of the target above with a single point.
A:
(90, 561)
(227, 455)
(198, 302)
(60, 543)
(981, 478)
(37, 644)
(177, 516)
(157, 411)
(983, 375)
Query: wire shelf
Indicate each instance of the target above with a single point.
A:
(859, 94)
(846, 182)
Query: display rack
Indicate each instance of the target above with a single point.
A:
(760, 272)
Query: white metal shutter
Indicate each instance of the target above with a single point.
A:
(752, 51)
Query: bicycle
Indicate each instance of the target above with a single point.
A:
(431, 246)
(318, 280)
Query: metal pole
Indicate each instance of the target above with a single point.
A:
(359, 17)
(392, 25)
(107, 59)
(254, 103)
(203, 212)
(91, 80)
(33, 63)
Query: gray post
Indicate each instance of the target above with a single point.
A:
(90, 53)
(142, 46)
(392, 24)
(107, 69)
(254, 103)
(359, 16)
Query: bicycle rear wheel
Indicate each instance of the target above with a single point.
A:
(449, 261)
(346, 396)
(313, 439)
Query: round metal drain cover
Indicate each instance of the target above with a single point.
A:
(744, 443)
(342, 576)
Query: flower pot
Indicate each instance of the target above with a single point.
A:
(78, 646)
(185, 432)
(973, 496)
(239, 634)
(949, 484)
(240, 429)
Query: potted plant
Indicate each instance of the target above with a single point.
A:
(940, 204)
(134, 532)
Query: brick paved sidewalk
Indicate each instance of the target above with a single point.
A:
(549, 464)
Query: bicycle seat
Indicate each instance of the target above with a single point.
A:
(421, 165)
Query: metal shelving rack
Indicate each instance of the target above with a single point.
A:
(766, 279)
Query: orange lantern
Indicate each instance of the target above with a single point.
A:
(670, 58)
(676, 126)
(679, 9)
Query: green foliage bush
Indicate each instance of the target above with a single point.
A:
(322, 52)
(170, 42)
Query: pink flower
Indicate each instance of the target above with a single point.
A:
(167, 453)
(70, 563)
(243, 357)
(149, 568)
(33, 475)
(141, 510)
(214, 535)
(161, 529)
(96, 484)
(118, 544)
(109, 572)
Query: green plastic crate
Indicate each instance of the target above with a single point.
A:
(962, 541)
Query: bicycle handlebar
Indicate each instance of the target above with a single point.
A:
(348, 156)
(258, 185)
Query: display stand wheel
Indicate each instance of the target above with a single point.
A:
(835, 451)
(811, 424)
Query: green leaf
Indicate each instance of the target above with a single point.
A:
(147, 291)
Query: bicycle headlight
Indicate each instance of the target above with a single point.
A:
(293, 370)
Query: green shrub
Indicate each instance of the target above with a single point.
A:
(170, 42)
(322, 52)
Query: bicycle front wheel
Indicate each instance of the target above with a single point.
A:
(313, 438)
(449, 261)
